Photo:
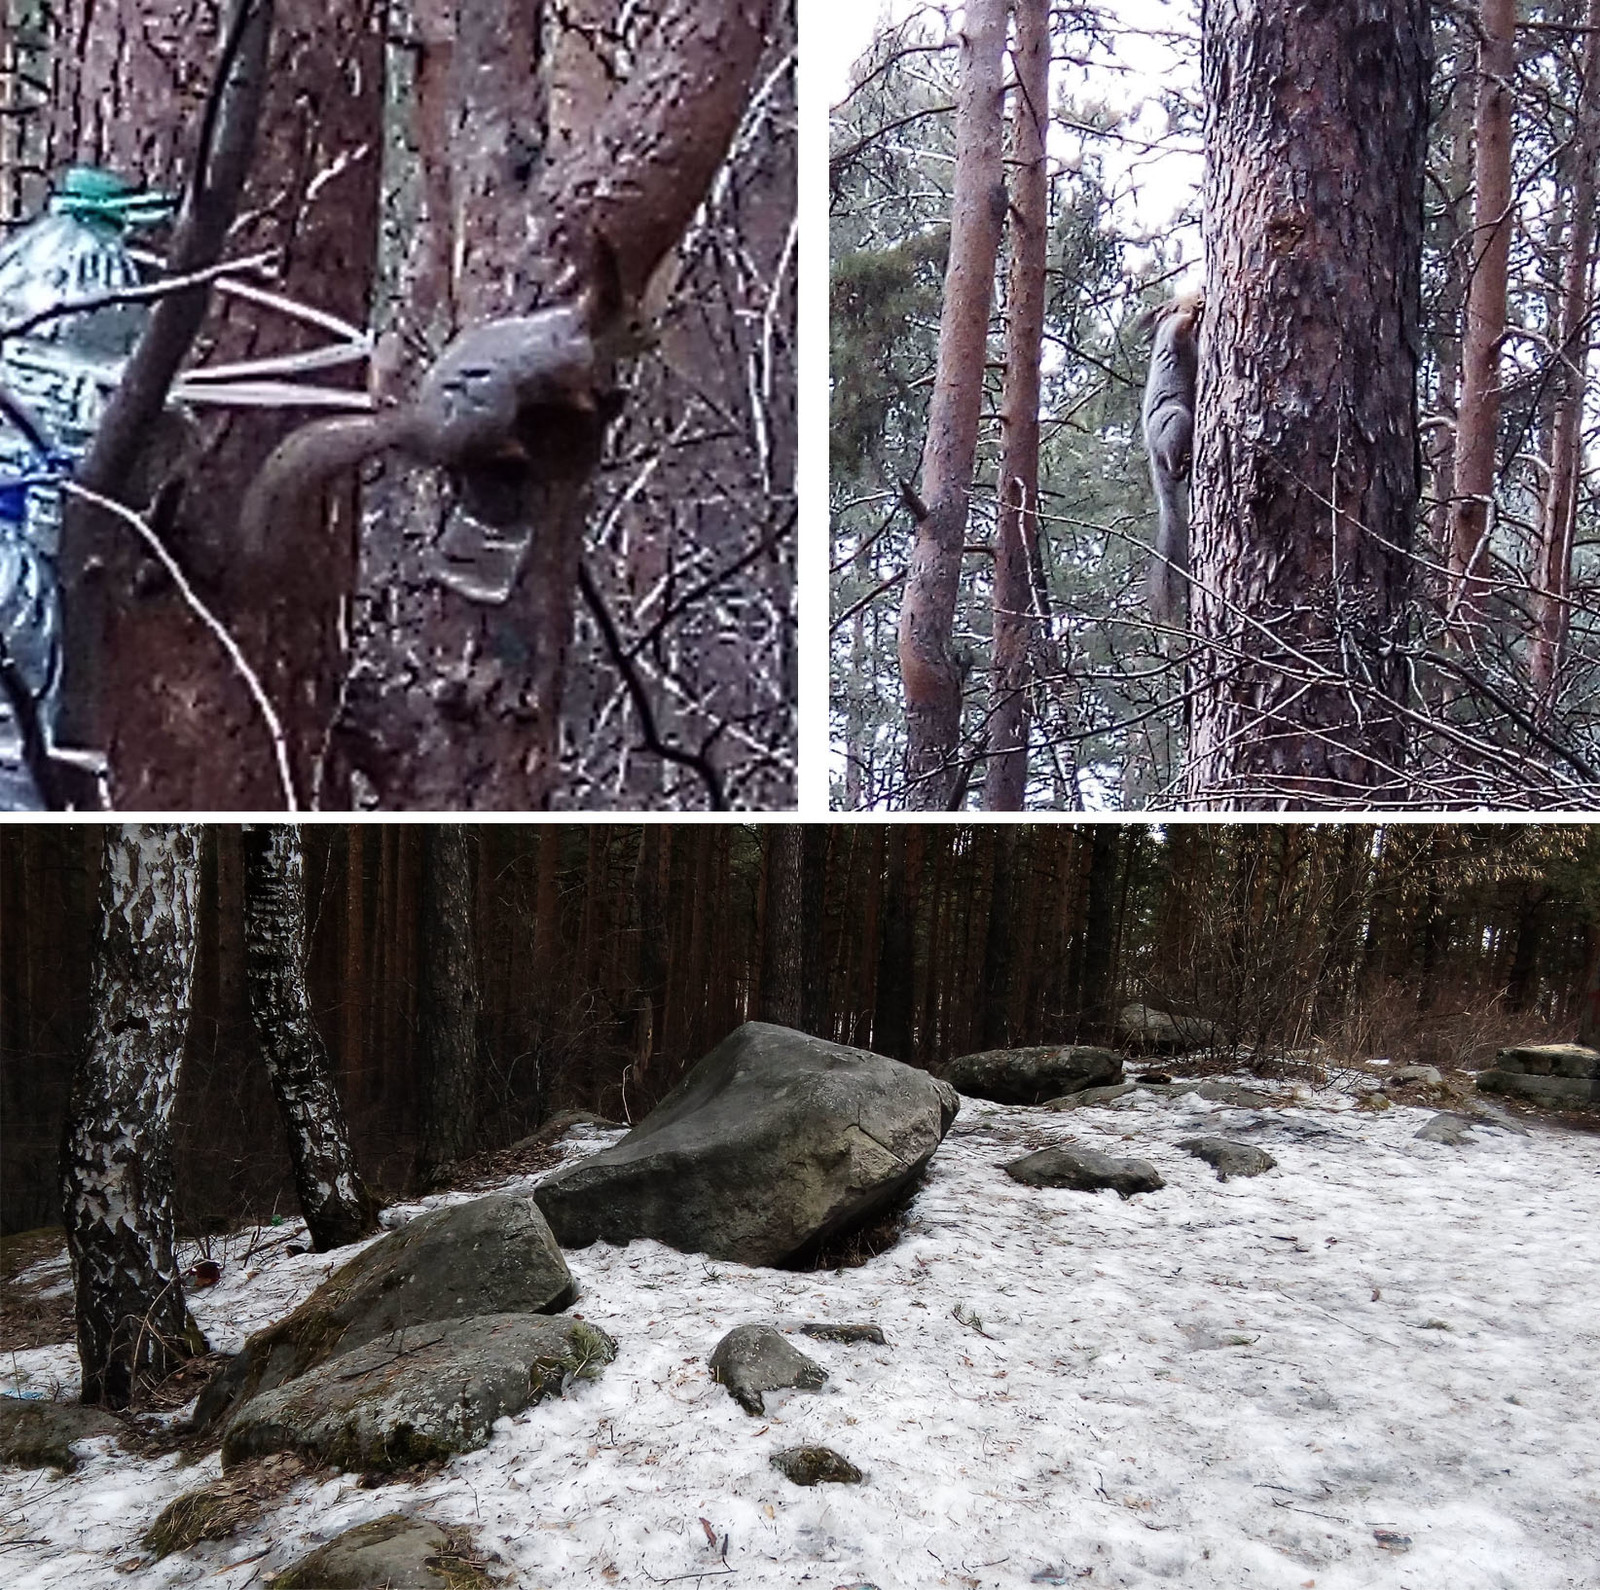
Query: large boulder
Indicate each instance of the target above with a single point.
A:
(1031, 1076)
(772, 1144)
(491, 1256)
(420, 1394)
(1147, 1030)
(1561, 1074)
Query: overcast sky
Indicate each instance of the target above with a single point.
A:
(1152, 187)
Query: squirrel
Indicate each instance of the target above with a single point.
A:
(505, 397)
(1169, 394)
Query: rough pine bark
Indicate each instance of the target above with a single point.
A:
(1307, 469)
(337, 1206)
(999, 939)
(1095, 1021)
(930, 674)
(784, 931)
(449, 1005)
(116, 1172)
(173, 715)
(896, 982)
(814, 1012)
(1478, 423)
(1006, 777)
(1557, 520)
(457, 695)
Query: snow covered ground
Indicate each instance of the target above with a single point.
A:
(1376, 1366)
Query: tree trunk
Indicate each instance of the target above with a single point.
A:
(894, 996)
(815, 1016)
(929, 673)
(162, 700)
(449, 1001)
(337, 1206)
(117, 1160)
(998, 939)
(1006, 778)
(1307, 468)
(1558, 512)
(463, 634)
(1478, 427)
(1099, 929)
(784, 933)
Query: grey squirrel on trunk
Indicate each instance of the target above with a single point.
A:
(1169, 440)
(507, 398)
(470, 415)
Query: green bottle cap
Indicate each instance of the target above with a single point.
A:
(93, 194)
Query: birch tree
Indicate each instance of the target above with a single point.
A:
(1478, 424)
(337, 1206)
(116, 1170)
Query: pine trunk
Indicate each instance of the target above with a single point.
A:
(1558, 521)
(1307, 467)
(449, 1001)
(929, 672)
(1006, 779)
(117, 1159)
(784, 931)
(337, 1206)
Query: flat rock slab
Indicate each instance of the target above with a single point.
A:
(752, 1359)
(1559, 1074)
(37, 1435)
(845, 1333)
(1551, 1060)
(1032, 1076)
(773, 1144)
(491, 1256)
(815, 1465)
(1087, 1098)
(419, 1394)
(1124, 1094)
(1084, 1170)
(392, 1553)
(1447, 1128)
(1155, 1031)
(1228, 1158)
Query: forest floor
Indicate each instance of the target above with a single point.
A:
(1373, 1368)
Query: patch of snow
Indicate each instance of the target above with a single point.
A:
(1372, 1369)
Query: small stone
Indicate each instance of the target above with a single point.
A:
(1445, 1128)
(1229, 1159)
(752, 1359)
(815, 1465)
(1084, 1170)
(845, 1333)
(1427, 1076)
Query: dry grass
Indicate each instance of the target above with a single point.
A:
(26, 1318)
(221, 1509)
